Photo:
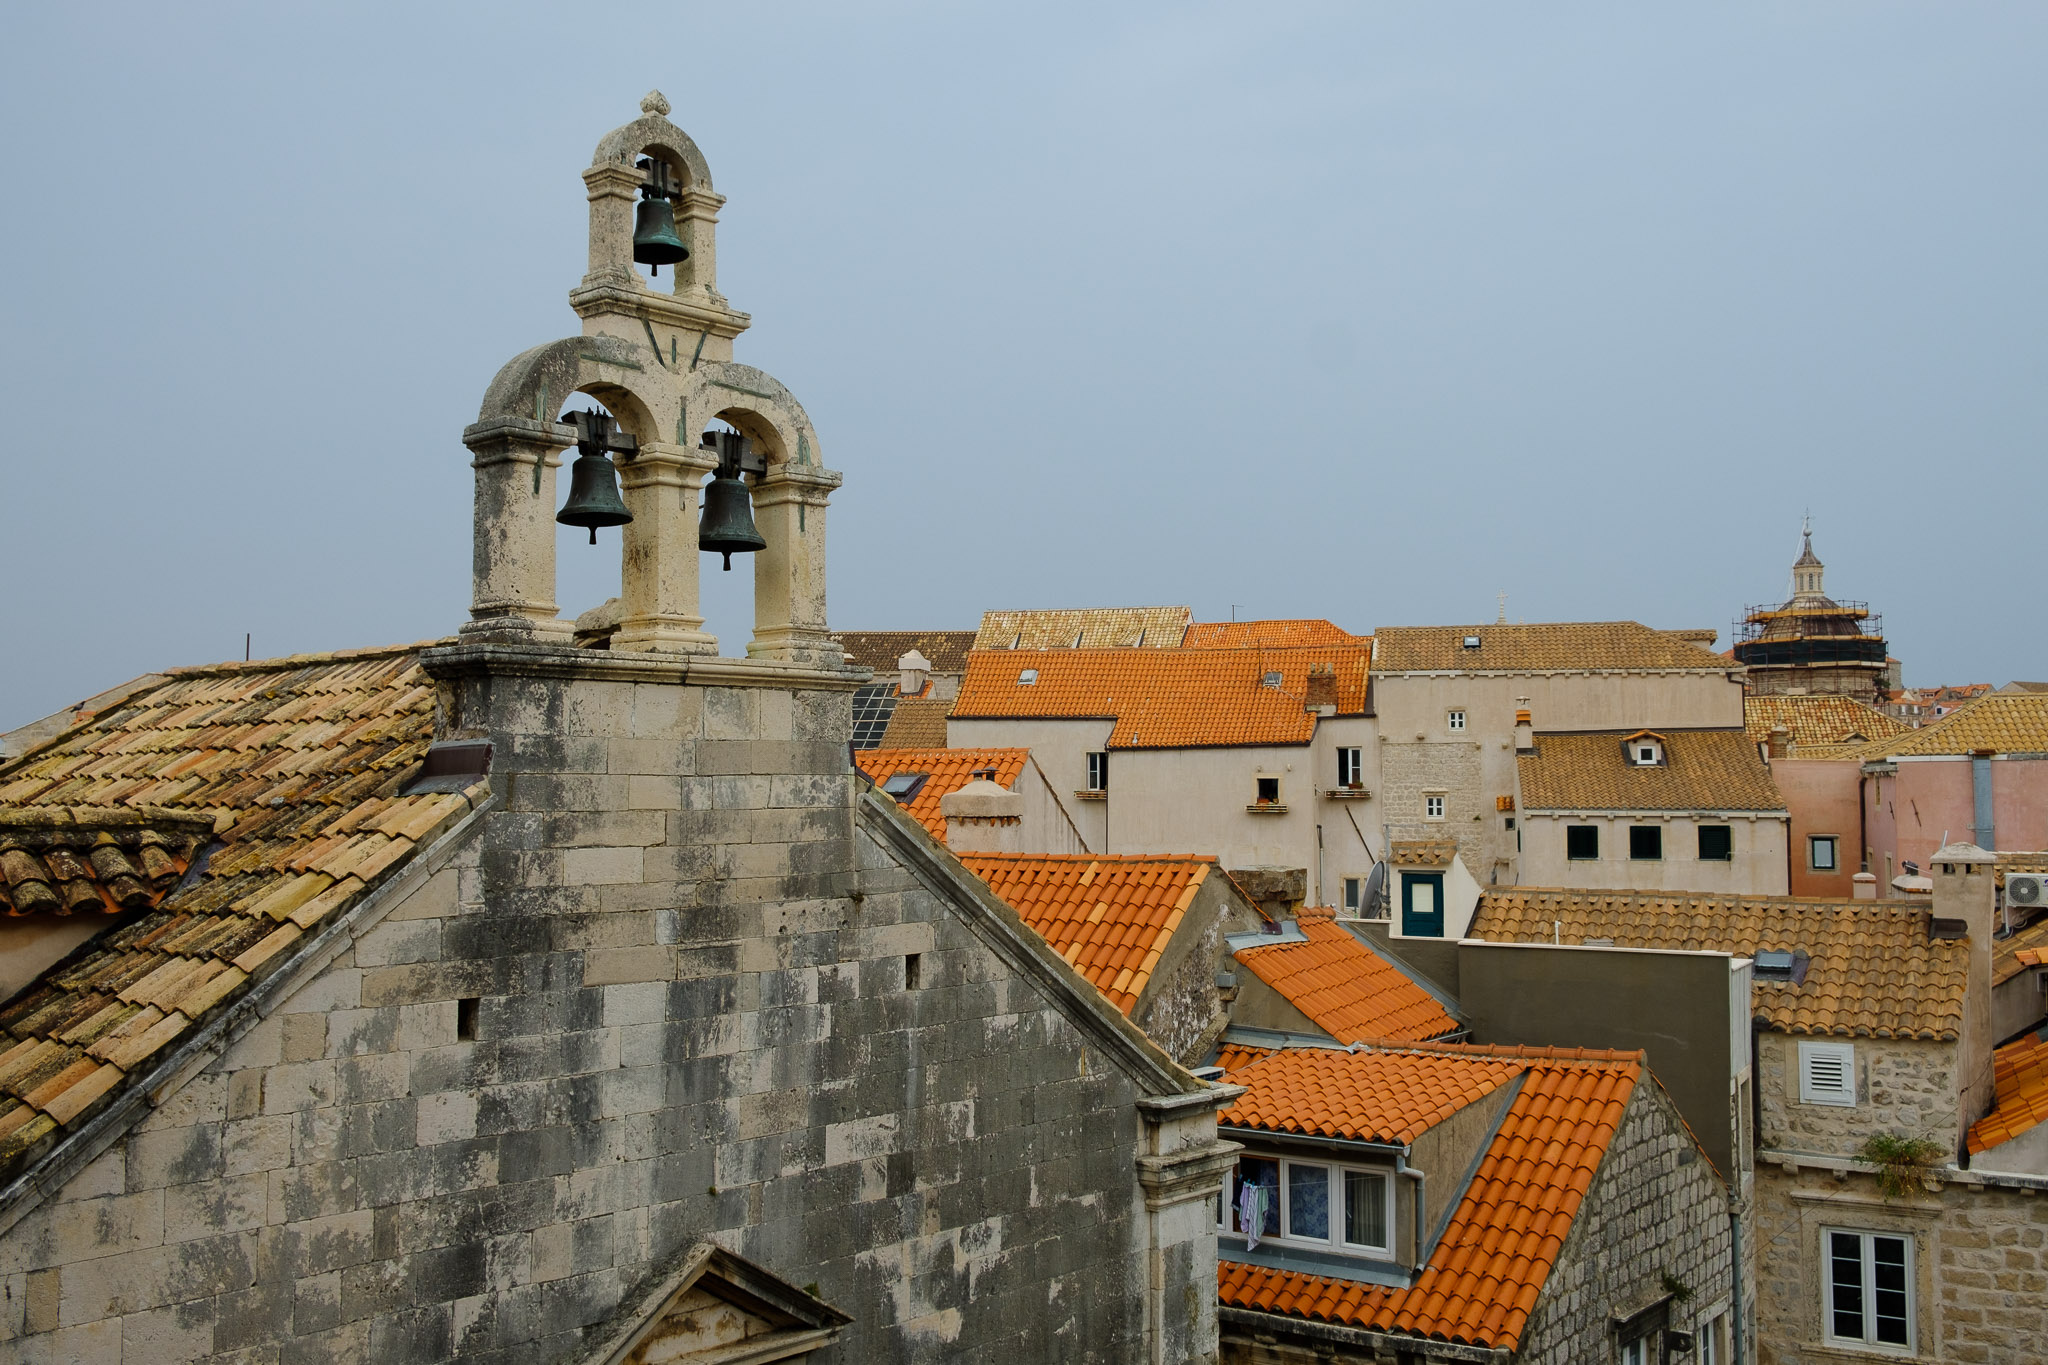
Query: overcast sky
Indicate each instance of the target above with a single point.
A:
(1359, 311)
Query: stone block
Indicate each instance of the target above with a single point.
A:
(437, 899)
(620, 966)
(397, 941)
(654, 793)
(445, 1117)
(597, 866)
(181, 1332)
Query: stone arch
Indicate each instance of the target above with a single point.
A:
(653, 133)
(757, 405)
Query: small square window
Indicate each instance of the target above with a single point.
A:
(1827, 1074)
(1717, 844)
(1269, 791)
(1582, 843)
(1432, 808)
(1645, 843)
(1457, 720)
(1646, 753)
(1820, 853)
(1027, 677)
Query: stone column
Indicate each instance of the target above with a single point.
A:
(697, 225)
(789, 576)
(512, 594)
(612, 189)
(658, 592)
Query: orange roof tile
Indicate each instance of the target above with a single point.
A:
(1489, 1266)
(2001, 722)
(1350, 992)
(1422, 852)
(1166, 698)
(1231, 1056)
(1817, 721)
(1268, 634)
(1109, 917)
(2011, 956)
(1873, 970)
(284, 774)
(2019, 1078)
(1371, 1095)
(63, 861)
(946, 770)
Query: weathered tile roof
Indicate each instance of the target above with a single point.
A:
(2009, 955)
(2000, 723)
(1702, 770)
(1109, 917)
(1873, 971)
(2019, 1080)
(1352, 993)
(1166, 698)
(1230, 1056)
(1269, 634)
(1422, 852)
(945, 650)
(1561, 647)
(946, 770)
(1489, 1267)
(295, 764)
(63, 861)
(2020, 861)
(1817, 722)
(1084, 628)
(917, 723)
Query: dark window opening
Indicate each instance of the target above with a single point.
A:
(1269, 791)
(905, 786)
(1350, 771)
(1717, 844)
(1645, 843)
(913, 971)
(1098, 772)
(466, 1012)
(1582, 842)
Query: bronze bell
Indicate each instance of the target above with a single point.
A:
(594, 499)
(727, 527)
(655, 241)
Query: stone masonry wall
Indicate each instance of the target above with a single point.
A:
(662, 997)
(1980, 1251)
(1182, 1010)
(1656, 1207)
(1901, 1087)
(1409, 771)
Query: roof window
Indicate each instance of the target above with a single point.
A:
(1270, 680)
(905, 786)
(1027, 677)
(1780, 964)
(1471, 642)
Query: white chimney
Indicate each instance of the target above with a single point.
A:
(984, 817)
(1525, 728)
(913, 671)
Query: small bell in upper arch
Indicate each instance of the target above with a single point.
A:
(655, 241)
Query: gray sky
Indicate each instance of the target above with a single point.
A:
(1357, 311)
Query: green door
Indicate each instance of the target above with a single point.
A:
(1422, 904)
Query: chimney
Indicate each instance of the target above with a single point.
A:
(1864, 886)
(1525, 729)
(1965, 894)
(1322, 690)
(1779, 745)
(913, 670)
(984, 817)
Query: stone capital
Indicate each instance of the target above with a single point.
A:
(516, 437)
(614, 180)
(666, 464)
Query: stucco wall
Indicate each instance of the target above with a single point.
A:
(1901, 1087)
(1822, 796)
(688, 961)
(1060, 748)
(1757, 867)
(1929, 796)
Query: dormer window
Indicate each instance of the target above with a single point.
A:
(1314, 1205)
(1644, 749)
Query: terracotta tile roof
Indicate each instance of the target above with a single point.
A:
(1084, 628)
(2020, 861)
(1109, 917)
(1489, 1267)
(1231, 1056)
(1817, 722)
(2002, 722)
(64, 861)
(1702, 770)
(1370, 1095)
(947, 771)
(295, 764)
(1269, 634)
(917, 723)
(1351, 992)
(1166, 698)
(879, 650)
(2008, 954)
(1873, 972)
(1422, 852)
(1564, 646)
(2019, 1079)
(2031, 957)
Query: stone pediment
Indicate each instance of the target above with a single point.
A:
(708, 1306)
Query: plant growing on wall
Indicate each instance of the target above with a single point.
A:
(1901, 1162)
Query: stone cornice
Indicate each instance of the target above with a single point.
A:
(517, 430)
(566, 661)
(593, 299)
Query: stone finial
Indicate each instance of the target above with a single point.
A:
(656, 103)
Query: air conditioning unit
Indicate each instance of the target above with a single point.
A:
(2026, 889)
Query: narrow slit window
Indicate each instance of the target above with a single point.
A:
(1098, 771)
(913, 971)
(466, 1012)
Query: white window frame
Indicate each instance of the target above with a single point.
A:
(1868, 1342)
(1433, 806)
(1834, 847)
(1098, 770)
(1456, 722)
(1354, 894)
(1646, 755)
(1350, 766)
(1335, 1241)
(1827, 1055)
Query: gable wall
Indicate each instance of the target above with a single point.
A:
(688, 960)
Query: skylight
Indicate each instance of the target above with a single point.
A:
(1027, 677)
(905, 786)
(1471, 642)
(1270, 680)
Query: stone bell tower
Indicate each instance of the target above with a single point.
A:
(658, 353)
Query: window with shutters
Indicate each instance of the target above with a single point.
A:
(1868, 1288)
(1827, 1073)
(1717, 844)
(1646, 843)
(1582, 843)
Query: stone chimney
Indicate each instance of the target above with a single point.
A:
(984, 817)
(1779, 745)
(1322, 690)
(1965, 892)
(1525, 728)
(1863, 886)
(913, 672)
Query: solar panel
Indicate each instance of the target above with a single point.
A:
(873, 705)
